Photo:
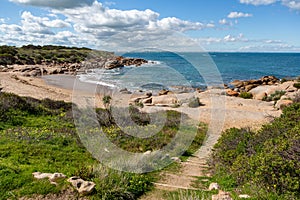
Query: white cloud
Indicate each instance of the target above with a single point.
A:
(238, 15)
(40, 25)
(230, 38)
(293, 4)
(172, 23)
(223, 21)
(58, 4)
(100, 27)
(273, 41)
(258, 2)
(118, 28)
(10, 28)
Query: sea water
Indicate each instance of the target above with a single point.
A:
(168, 69)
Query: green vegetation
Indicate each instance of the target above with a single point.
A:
(31, 54)
(246, 95)
(274, 97)
(297, 85)
(194, 102)
(264, 164)
(39, 135)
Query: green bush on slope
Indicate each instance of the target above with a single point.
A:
(268, 159)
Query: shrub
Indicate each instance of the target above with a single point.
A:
(275, 96)
(297, 85)
(246, 95)
(194, 102)
(268, 159)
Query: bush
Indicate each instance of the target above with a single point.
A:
(297, 85)
(246, 95)
(194, 102)
(268, 159)
(274, 97)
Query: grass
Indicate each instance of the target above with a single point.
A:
(40, 136)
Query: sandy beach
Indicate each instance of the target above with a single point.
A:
(231, 111)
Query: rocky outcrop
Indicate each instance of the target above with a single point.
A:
(246, 86)
(121, 62)
(72, 68)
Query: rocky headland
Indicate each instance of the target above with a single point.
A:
(36, 61)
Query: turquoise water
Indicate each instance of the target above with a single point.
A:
(196, 69)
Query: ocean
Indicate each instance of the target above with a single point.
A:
(172, 70)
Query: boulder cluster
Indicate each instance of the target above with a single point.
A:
(246, 86)
(119, 62)
(164, 98)
(268, 88)
(72, 68)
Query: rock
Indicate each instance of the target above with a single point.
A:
(125, 91)
(262, 90)
(40, 175)
(232, 93)
(120, 61)
(222, 196)
(255, 82)
(35, 73)
(269, 80)
(164, 100)
(244, 196)
(147, 153)
(283, 103)
(147, 101)
(213, 186)
(112, 64)
(139, 99)
(176, 159)
(163, 92)
(149, 94)
(250, 87)
(237, 83)
(26, 74)
(284, 97)
(53, 178)
(83, 187)
(57, 176)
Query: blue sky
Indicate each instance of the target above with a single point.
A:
(212, 25)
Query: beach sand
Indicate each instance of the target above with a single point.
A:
(218, 110)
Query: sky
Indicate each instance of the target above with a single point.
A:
(121, 25)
